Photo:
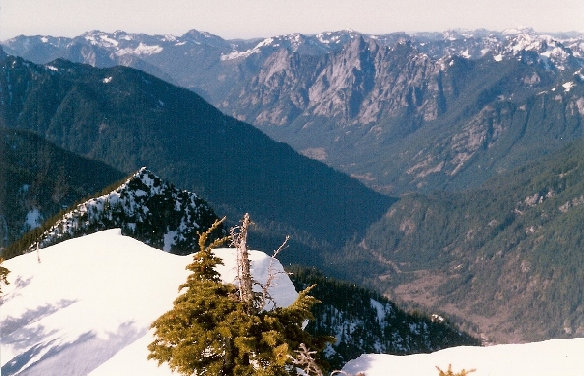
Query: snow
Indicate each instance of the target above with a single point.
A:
(568, 85)
(169, 240)
(107, 80)
(552, 357)
(243, 54)
(144, 49)
(33, 219)
(87, 306)
(380, 309)
(105, 38)
(141, 49)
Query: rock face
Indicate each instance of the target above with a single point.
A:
(146, 208)
(364, 103)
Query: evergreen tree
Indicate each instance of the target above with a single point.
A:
(3, 273)
(211, 329)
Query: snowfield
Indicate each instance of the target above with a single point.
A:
(563, 357)
(86, 308)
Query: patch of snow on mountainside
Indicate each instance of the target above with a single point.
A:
(141, 49)
(243, 54)
(86, 307)
(33, 219)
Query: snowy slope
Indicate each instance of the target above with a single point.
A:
(87, 306)
(552, 357)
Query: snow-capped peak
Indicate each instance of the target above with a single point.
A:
(145, 207)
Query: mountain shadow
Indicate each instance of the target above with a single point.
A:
(38, 179)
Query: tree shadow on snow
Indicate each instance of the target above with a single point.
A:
(10, 325)
(78, 357)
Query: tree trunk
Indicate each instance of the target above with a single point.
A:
(243, 264)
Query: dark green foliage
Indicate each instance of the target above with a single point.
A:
(37, 175)
(3, 274)
(352, 315)
(507, 252)
(210, 331)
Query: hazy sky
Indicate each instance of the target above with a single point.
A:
(257, 18)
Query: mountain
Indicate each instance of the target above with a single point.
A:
(86, 307)
(144, 207)
(129, 119)
(362, 322)
(559, 357)
(39, 179)
(401, 112)
(404, 113)
(504, 256)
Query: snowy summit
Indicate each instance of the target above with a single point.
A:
(86, 307)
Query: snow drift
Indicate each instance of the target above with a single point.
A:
(86, 307)
(553, 357)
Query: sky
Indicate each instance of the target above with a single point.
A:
(264, 18)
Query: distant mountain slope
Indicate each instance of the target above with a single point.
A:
(143, 206)
(39, 179)
(402, 112)
(362, 321)
(129, 119)
(506, 256)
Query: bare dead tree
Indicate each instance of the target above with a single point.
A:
(239, 242)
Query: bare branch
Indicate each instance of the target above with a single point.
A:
(305, 360)
(272, 274)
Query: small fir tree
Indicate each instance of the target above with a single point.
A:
(215, 329)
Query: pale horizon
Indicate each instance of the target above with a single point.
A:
(233, 19)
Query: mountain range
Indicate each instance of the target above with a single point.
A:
(479, 133)
(401, 112)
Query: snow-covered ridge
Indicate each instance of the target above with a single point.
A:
(557, 51)
(86, 307)
(145, 207)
